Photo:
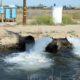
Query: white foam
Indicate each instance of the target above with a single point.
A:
(76, 45)
(33, 60)
(26, 61)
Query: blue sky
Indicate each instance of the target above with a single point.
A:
(45, 2)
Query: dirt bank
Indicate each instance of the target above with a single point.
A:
(8, 40)
(59, 31)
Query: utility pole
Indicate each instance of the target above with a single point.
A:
(24, 12)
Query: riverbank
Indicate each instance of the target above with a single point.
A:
(58, 31)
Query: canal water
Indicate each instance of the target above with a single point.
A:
(40, 65)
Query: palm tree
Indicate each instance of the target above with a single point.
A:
(24, 12)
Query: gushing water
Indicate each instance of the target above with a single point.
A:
(34, 60)
(41, 44)
(76, 45)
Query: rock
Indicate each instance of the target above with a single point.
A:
(52, 47)
(58, 44)
(63, 43)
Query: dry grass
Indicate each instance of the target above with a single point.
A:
(73, 14)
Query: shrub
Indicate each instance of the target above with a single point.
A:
(67, 20)
(42, 20)
(76, 15)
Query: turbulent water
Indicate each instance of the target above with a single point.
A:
(76, 45)
(28, 61)
(35, 59)
(37, 65)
